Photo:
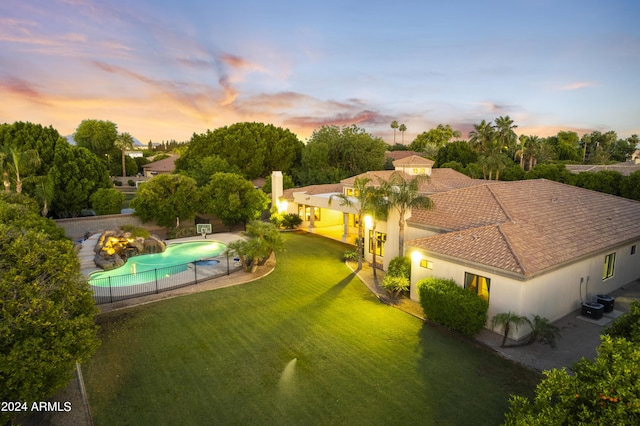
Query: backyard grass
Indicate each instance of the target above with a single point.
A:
(308, 344)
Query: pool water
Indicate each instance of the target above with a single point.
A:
(175, 259)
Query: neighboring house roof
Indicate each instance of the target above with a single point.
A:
(413, 161)
(624, 168)
(166, 165)
(396, 155)
(526, 227)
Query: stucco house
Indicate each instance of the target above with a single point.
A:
(529, 247)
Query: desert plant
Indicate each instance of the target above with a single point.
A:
(396, 284)
(507, 320)
(350, 255)
(291, 220)
(543, 331)
(136, 231)
(399, 266)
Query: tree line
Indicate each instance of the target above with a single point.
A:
(63, 177)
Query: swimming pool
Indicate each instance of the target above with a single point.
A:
(146, 268)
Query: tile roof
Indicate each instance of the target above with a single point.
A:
(313, 190)
(527, 227)
(396, 155)
(413, 160)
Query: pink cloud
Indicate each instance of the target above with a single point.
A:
(578, 85)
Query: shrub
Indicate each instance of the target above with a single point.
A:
(627, 325)
(291, 220)
(131, 182)
(276, 219)
(350, 255)
(107, 201)
(396, 284)
(117, 183)
(136, 231)
(400, 266)
(446, 303)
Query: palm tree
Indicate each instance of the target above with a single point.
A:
(480, 135)
(506, 320)
(394, 126)
(124, 141)
(543, 331)
(402, 129)
(44, 192)
(15, 161)
(4, 162)
(507, 138)
(523, 141)
(378, 204)
(403, 195)
(359, 201)
(533, 148)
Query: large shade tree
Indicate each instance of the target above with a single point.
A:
(75, 174)
(254, 149)
(98, 136)
(233, 199)
(333, 153)
(438, 137)
(167, 199)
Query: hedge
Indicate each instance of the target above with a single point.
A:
(455, 307)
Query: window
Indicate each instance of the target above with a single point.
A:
(609, 266)
(633, 249)
(478, 284)
(377, 244)
(424, 263)
(350, 192)
(305, 212)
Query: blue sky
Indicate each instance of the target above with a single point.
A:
(166, 69)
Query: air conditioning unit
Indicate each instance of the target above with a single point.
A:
(592, 310)
(605, 300)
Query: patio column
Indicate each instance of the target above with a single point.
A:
(311, 217)
(345, 225)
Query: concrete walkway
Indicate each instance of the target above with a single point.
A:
(579, 335)
(87, 254)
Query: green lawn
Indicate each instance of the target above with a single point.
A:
(219, 357)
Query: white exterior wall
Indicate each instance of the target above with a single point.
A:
(552, 295)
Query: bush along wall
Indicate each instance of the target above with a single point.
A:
(455, 307)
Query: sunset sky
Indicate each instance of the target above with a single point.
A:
(164, 69)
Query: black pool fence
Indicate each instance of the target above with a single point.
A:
(137, 284)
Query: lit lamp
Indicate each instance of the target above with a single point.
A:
(282, 206)
(368, 221)
(416, 256)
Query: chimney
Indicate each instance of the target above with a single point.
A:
(276, 188)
